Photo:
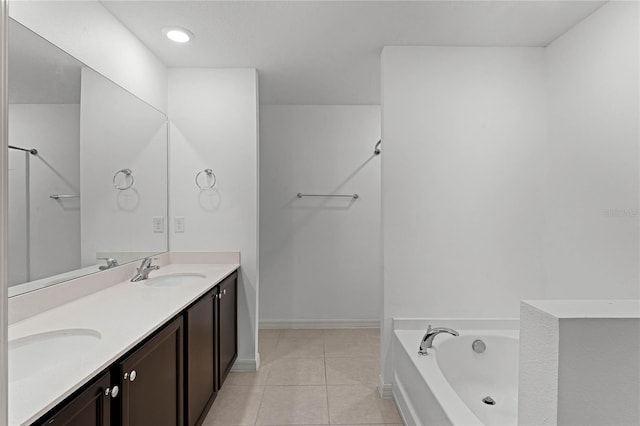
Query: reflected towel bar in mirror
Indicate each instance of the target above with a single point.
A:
(59, 196)
(354, 196)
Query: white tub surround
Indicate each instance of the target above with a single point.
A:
(579, 362)
(113, 314)
(447, 386)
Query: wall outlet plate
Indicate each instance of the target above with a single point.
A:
(179, 224)
(158, 224)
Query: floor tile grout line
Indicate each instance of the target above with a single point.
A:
(326, 385)
(326, 388)
(264, 390)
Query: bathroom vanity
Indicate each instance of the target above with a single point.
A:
(149, 353)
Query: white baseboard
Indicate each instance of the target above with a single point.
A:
(244, 365)
(320, 323)
(384, 389)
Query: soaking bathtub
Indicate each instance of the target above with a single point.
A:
(453, 384)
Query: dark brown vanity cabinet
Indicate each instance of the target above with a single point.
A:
(227, 325)
(92, 406)
(151, 381)
(201, 376)
(171, 378)
(210, 347)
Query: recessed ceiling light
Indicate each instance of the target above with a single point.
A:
(177, 34)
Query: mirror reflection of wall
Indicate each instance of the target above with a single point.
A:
(119, 132)
(64, 212)
(44, 113)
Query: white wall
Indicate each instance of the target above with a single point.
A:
(591, 236)
(87, 31)
(320, 257)
(462, 177)
(53, 129)
(214, 124)
(118, 131)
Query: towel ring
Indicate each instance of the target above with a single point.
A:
(209, 173)
(127, 173)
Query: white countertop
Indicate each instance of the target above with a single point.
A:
(124, 314)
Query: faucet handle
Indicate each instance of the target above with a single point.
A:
(111, 263)
(149, 259)
(145, 263)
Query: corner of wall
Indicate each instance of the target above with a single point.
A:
(4, 152)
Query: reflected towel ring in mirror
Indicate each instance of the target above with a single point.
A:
(127, 174)
(210, 175)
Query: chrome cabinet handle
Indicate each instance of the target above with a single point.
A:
(224, 291)
(113, 392)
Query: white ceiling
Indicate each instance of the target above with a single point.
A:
(328, 52)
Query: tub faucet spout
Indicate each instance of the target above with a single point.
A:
(427, 340)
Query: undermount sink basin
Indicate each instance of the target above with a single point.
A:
(32, 354)
(172, 280)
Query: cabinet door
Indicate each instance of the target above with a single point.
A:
(90, 407)
(152, 381)
(200, 358)
(227, 325)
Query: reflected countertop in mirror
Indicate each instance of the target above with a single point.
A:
(87, 171)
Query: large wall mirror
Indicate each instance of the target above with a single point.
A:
(87, 168)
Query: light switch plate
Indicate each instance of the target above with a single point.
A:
(158, 224)
(179, 224)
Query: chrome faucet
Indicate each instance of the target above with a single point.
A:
(145, 269)
(111, 263)
(427, 340)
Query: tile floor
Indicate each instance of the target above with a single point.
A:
(308, 377)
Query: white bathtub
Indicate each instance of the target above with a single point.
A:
(447, 386)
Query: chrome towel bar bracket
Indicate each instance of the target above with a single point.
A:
(354, 196)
